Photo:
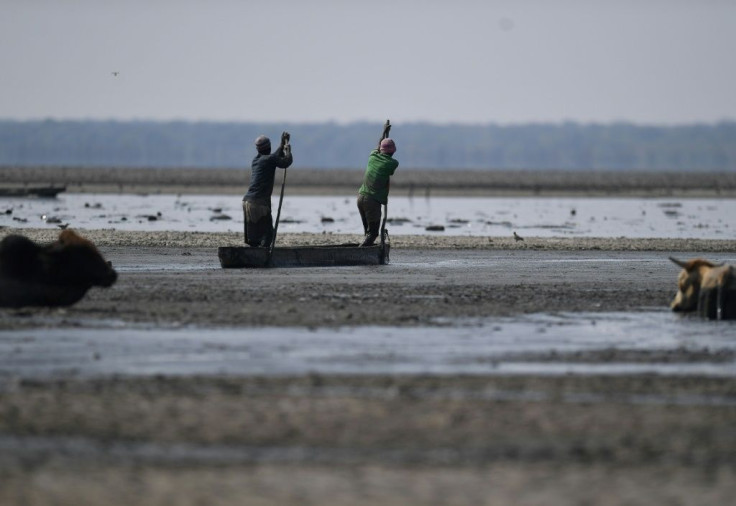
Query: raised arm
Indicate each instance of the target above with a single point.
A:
(284, 150)
(384, 135)
(285, 137)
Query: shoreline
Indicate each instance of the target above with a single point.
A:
(416, 182)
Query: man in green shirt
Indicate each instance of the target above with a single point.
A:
(374, 191)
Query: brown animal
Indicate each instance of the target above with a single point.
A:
(707, 288)
(57, 274)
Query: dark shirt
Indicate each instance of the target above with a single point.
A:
(263, 171)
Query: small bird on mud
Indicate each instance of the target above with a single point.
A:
(517, 237)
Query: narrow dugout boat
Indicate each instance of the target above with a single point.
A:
(31, 191)
(232, 257)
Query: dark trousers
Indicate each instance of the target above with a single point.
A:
(257, 224)
(370, 214)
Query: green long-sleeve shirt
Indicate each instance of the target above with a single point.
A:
(377, 175)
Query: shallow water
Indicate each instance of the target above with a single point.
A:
(585, 343)
(471, 216)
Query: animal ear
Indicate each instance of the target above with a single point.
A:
(682, 264)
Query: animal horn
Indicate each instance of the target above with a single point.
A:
(679, 262)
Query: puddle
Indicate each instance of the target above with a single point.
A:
(583, 343)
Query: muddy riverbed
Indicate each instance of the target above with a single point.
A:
(312, 435)
(184, 284)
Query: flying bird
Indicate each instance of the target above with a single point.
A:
(63, 226)
(517, 237)
(115, 74)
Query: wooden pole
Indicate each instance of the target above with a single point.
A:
(287, 149)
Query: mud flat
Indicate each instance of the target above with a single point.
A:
(319, 438)
(175, 278)
(369, 440)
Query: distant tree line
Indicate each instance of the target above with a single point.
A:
(571, 146)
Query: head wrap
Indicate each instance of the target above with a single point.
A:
(388, 146)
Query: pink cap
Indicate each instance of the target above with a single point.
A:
(388, 147)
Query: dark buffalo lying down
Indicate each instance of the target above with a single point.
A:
(56, 274)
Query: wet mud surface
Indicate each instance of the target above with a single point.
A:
(187, 286)
(391, 438)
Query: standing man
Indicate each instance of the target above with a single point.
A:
(374, 191)
(258, 226)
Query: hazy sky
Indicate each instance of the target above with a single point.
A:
(645, 61)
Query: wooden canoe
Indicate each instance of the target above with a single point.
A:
(31, 191)
(304, 256)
